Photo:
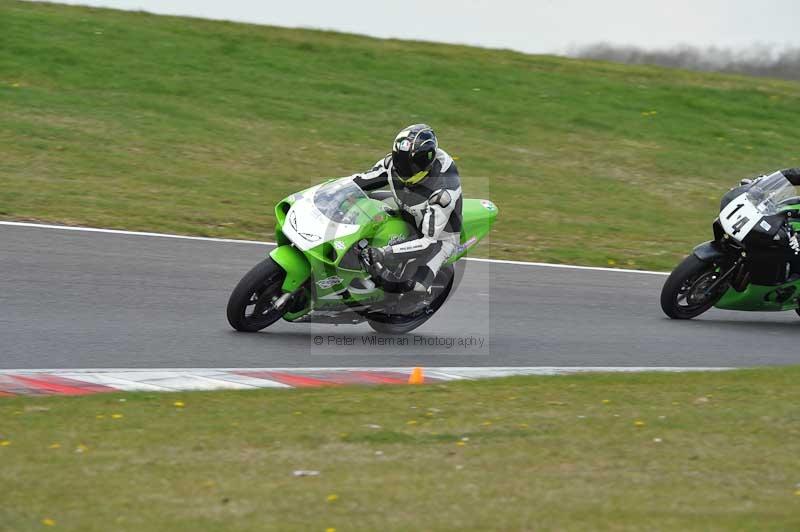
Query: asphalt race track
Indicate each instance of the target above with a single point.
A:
(71, 299)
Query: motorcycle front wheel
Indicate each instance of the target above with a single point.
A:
(251, 305)
(685, 294)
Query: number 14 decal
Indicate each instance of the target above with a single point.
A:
(741, 222)
(739, 217)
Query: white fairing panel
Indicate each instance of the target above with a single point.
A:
(739, 217)
(307, 227)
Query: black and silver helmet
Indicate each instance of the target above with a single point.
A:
(414, 152)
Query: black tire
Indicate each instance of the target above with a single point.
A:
(258, 289)
(396, 328)
(797, 310)
(683, 297)
(396, 324)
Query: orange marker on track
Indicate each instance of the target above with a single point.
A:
(416, 377)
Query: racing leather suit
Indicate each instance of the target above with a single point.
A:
(434, 207)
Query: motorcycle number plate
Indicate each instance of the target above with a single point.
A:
(739, 217)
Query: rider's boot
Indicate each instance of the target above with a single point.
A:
(423, 280)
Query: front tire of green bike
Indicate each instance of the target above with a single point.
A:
(251, 305)
(684, 295)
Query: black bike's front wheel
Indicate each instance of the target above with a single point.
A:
(251, 306)
(686, 293)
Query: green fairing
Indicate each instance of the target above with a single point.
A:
(761, 298)
(392, 230)
(294, 263)
(382, 228)
(478, 217)
(323, 262)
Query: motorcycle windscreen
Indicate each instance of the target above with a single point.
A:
(770, 192)
(342, 201)
(765, 197)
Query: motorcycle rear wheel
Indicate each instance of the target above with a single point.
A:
(399, 324)
(250, 307)
(683, 296)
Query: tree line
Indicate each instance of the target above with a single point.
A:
(758, 60)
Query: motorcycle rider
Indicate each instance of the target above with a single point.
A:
(425, 185)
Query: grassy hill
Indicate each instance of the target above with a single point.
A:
(136, 121)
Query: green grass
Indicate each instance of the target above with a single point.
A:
(136, 121)
(715, 451)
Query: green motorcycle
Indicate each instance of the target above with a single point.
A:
(752, 263)
(317, 272)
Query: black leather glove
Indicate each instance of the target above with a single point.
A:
(375, 259)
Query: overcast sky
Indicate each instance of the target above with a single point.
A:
(537, 26)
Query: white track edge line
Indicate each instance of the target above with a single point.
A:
(134, 233)
(475, 369)
(565, 266)
(256, 242)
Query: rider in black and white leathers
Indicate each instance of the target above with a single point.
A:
(434, 206)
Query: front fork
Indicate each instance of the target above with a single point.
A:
(722, 278)
(714, 252)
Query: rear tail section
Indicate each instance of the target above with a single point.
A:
(478, 215)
